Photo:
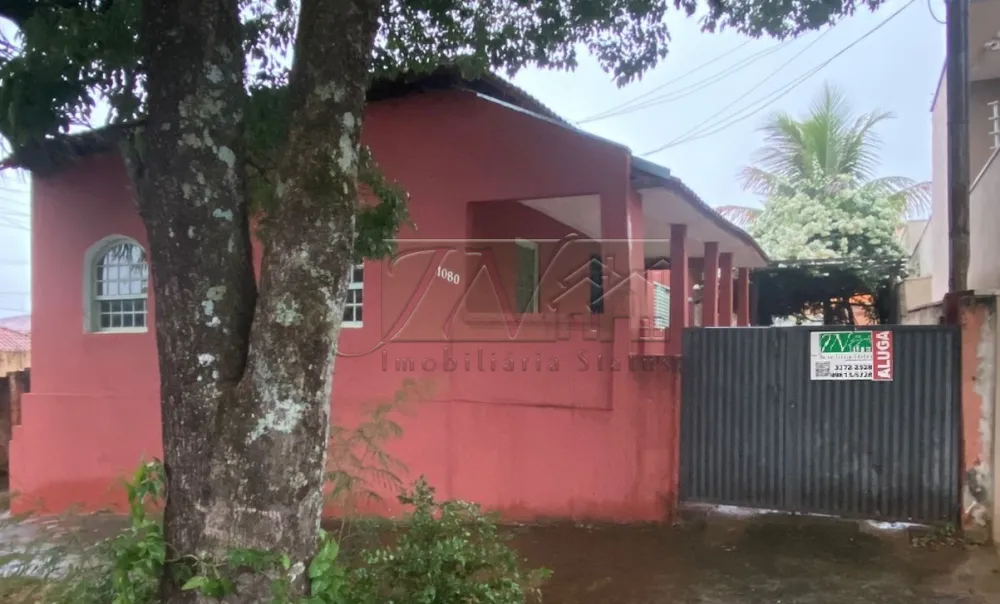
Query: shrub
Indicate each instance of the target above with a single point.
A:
(447, 553)
(444, 553)
(126, 568)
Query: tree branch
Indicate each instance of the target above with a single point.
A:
(20, 11)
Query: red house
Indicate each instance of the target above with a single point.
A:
(540, 300)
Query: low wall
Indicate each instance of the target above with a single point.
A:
(14, 361)
(13, 385)
(980, 430)
(481, 435)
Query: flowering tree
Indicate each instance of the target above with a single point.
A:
(823, 218)
(837, 247)
(830, 142)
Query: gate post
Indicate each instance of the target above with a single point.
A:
(710, 298)
(678, 286)
(743, 297)
(725, 290)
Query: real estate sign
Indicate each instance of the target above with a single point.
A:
(851, 355)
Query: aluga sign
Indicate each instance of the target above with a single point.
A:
(851, 355)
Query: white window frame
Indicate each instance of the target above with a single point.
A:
(91, 299)
(661, 320)
(533, 247)
(358, 286)
(994, 124)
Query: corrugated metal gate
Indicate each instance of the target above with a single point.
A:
(758, 431)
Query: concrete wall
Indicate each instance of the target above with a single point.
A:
(984, 270)
(14, 361)
(919, 241)
(935, 243)
(12, 388)
(984, 227)
(979, 395)
(913, 230)
(915, 293)
(981, 94)
(521, 416)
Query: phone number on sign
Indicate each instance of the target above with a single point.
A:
(852, 374)
(842, 371)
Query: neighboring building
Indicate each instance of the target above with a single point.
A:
(916, 290)
(978, 313)
(15, 344)
(536, 302)
(15, 360)
(19, 323)
(984, 174)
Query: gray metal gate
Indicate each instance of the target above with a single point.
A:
(758, 431)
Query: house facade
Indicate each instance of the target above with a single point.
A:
(528, 328)
(931, 255)
(927, 284)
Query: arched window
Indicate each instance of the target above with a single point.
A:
(118, 284)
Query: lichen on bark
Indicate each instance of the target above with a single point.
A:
(246, 410)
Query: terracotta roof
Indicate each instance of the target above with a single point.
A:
(451, 78)
(14, 341)
(20, 323)
(53, 154)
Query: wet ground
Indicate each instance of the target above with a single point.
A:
(773, 560)
(722, 560)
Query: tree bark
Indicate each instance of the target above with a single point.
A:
(246, 376)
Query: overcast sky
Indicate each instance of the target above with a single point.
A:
(710, 114)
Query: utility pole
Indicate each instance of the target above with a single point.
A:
(958, 143)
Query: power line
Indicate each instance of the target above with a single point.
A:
(775, 95)
(668, 82)
(630, 105)
(693, 88)
(683, 91)
(930, 9)
(12, 223)
(740, 98)
(12, 210)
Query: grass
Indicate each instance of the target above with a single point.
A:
(21, 590)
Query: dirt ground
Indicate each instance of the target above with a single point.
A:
(720, 560)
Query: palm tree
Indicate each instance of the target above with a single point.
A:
(830, 141)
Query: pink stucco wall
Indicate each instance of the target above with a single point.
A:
(566, 438)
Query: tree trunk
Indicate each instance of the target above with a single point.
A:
(246, 376)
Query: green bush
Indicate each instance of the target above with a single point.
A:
(126, 568)
(446, 553)
(443, 553)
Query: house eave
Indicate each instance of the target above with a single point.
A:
(647, 175)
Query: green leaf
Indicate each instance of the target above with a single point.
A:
(199, 582)
(317, 568)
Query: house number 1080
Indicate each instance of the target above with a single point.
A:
(448, 276)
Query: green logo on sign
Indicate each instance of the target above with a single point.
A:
(845, 341)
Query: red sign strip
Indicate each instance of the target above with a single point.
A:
(882, 354)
